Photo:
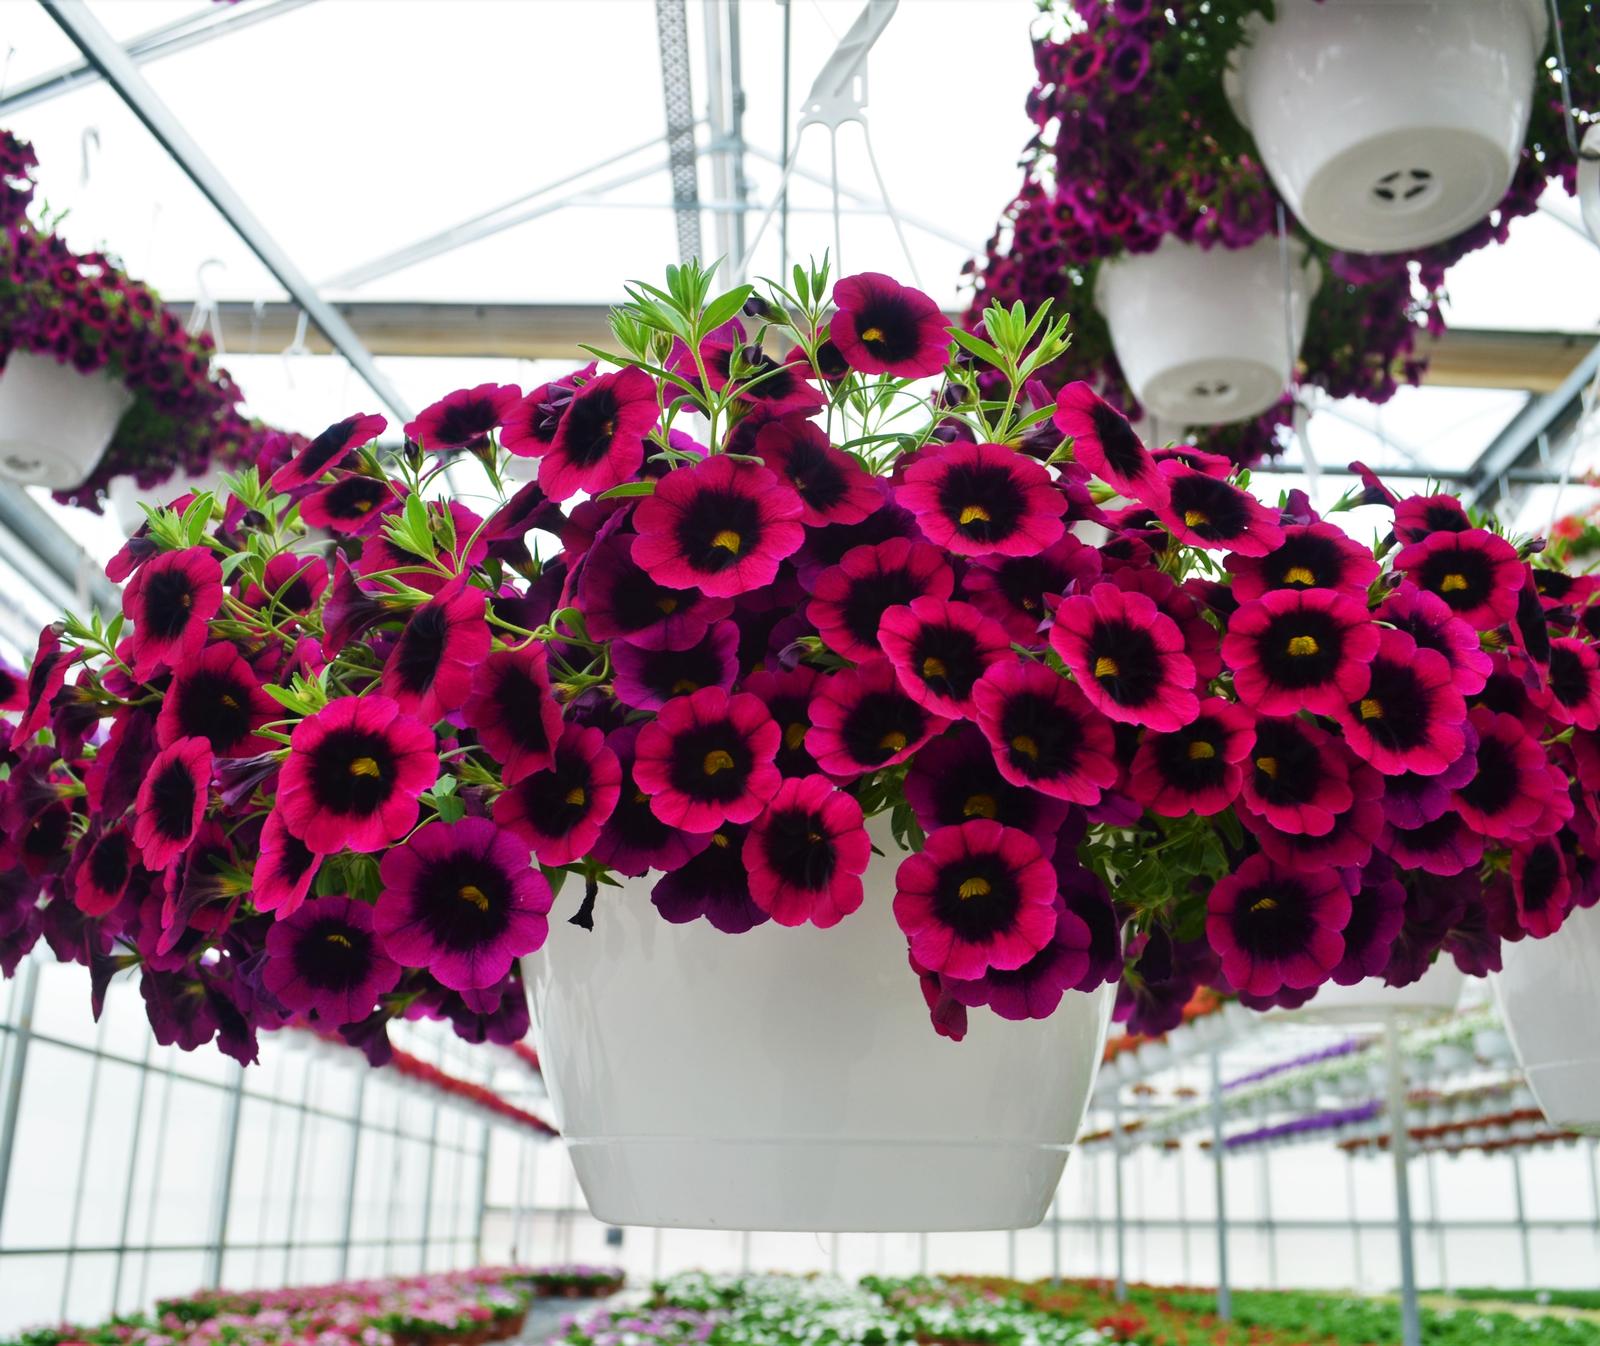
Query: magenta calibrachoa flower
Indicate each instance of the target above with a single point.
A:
(461, 900)
(343, 776)
(354, 772)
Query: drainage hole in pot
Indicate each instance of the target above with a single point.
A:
(1208, 388)
(23, 466)
(1403, 185)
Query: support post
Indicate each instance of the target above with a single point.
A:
(922, 1254)
(483, 1196)
(1011, 1254)
(1433, 1219)
(348, 1221)
(1116, 1196)
(132, 1172)
(1264, 1164)
(427, 1194)
(1594, 1179)
(1400, 1150)
(1055, 1237)
(1522, 1220)
(224, 1201)
(1218, 1161)
(21, 1036)
(1183, 1217)
(1355, 1224)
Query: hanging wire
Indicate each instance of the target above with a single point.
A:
(1569, 117)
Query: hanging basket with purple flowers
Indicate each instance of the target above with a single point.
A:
(1142, 169)
(965, 706)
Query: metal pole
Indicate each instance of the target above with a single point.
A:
(132, 1171)
(1218, 1154)
(783, 202)
(1594, 1179)
(1433, 1218)
(1183, 1216)
(833, 1254)
(1522, 1219)
(735, 111)
(160, 1158)
(103, 52)
(1355, 1224)
(655, 1253)
(1266, 1217)
(230, 1154)
(83, 1167)
(1116, 1195)
(1400, 1149)
(21, 1035)
(427, 1194)
(483, 1197)
(744, 1252)
(295, 1166)
(348, 1226)
(1011, 1254)
(1055, 1238)
(516, 1202)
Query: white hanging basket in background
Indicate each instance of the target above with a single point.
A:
(1589, 182)
(1202, 334)
(55, 423)
(1548, 991)
(1389, 124)
(1433, 994)
(125, 494)
(789, 1079)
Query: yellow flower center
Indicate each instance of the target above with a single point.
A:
(577, 797)
(1106, 668)
(718, 759)
(933, 668)
(364, 766)
(720, 839)
(362, 506)
(666, 605)
(815, 838)
(1299, 575)
(980, 806)
(794, 737)
(1200, 751)
(1371, 710)
(1304, 645)
(728, 540)
(470, 892)
(873, 335)
(187, 600)
(894, 741)
(1264, 904)
(974, 887)
(1268, 767)
(229, 702)
(343, 941)
(1026, 746)
(1196, 518)
(683, 686)
(974, 514)
(1452, 583)
(608, 428)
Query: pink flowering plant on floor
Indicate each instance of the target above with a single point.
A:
(786, 568)
(1136, 143)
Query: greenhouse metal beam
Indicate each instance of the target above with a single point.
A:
(102, 51)
(1461, 358)
(1522, 434)
(165, 40)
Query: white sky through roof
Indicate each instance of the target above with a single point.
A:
(353, 127)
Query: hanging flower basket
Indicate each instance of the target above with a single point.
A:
(796, 1085)
(1203, 334)
(1547, 991)
(125, 494)
(55, 423)
(1389, 125)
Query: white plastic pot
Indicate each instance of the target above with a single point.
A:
(1389, 124)
(1548, 991)
(789, 1079)
(55, 423)
(1433, 994)
(1589, 182)
(1201, 333)
(125, 494)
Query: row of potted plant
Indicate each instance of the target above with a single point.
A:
(576, 1280)
(461, 1308)
(103, 390)
(1209, 183)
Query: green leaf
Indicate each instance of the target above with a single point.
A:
(628, 488)
(724, 307)
(977, 346)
